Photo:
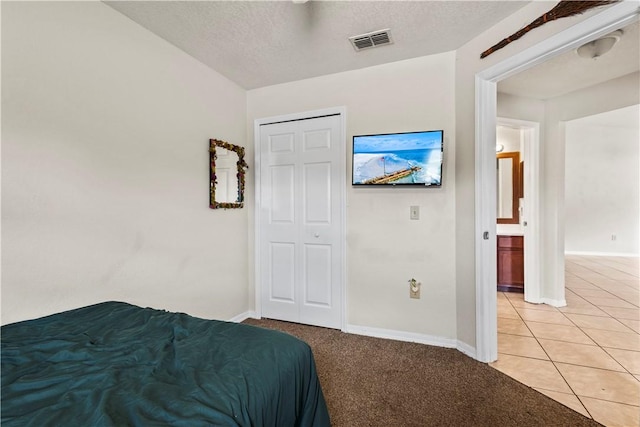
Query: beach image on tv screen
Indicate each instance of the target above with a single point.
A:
(405, 158)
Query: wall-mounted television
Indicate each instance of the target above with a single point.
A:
(408, 158)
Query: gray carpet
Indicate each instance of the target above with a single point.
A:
(376, 382)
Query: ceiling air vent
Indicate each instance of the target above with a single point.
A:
(372, 39)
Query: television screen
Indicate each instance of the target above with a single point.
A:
(410, 158)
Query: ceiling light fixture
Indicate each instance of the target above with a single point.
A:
(599, 47)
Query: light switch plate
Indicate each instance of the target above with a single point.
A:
(414, 212)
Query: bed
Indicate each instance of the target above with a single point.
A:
(114, 363)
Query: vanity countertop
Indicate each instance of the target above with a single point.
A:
(509, 230)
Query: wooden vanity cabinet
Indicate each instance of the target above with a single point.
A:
(511, 263)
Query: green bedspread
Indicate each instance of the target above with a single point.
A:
(117, 364)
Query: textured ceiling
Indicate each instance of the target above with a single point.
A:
(569, 72)
(262, 43)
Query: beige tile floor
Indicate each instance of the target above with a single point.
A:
(585, 355)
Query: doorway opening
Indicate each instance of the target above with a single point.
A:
(529, 204)
(613, 18)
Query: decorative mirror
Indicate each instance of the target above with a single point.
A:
(226, 174)
(508, 176)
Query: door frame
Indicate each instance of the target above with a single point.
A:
(530, 215)
(610, 19)
(305, 115)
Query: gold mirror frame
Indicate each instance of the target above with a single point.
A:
(241, 166)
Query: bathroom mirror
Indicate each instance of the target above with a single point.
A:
(508, 181)
(226, 175)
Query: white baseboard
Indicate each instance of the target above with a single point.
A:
(620, 254)
(554, 302)
(401, 336)
(465, 348)
(388, 334)
(243, 316)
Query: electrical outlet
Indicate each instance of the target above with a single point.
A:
(414, 212)
(414, 289)
(613, 237)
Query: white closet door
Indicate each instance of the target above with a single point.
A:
(301, 229)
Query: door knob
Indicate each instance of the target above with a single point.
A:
(316, 235)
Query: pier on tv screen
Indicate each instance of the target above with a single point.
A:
(409, 158)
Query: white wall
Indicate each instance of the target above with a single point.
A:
(105, 133)
(602, 183)
(520, 108)
(384, 247)
(608, 96)
(509, 138)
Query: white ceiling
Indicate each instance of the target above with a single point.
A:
(262, 43)
(569, 72)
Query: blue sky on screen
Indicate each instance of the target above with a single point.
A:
(397, 142)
